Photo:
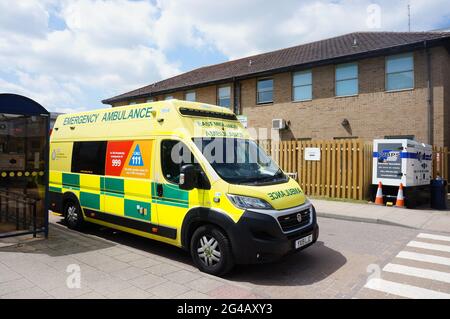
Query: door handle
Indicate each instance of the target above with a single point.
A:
(159, 190)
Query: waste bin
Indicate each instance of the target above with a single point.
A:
(438, 194)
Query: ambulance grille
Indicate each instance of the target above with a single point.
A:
(290, 222)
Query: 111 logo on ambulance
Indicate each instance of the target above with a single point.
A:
(128, 159)
(136, 158)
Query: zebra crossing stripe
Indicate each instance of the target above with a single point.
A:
(404, 290)
(435, 237)
(418, 272)
(424, 258)
(418, 244)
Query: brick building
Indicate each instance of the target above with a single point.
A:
(366, 85)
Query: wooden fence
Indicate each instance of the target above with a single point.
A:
(345, 167)
(441, 161)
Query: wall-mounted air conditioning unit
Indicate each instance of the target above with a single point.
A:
(278, 124)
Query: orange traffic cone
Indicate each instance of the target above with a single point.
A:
(379, 197)
(400, 202)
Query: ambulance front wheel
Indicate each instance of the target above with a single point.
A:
(73, 215)
(211, 250)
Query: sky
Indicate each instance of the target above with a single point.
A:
(68, 55)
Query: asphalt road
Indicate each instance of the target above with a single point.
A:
(339, 265)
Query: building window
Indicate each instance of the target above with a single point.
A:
(347, 79)
(168, 97)
(89, 157)
(224, 96)
(149, 100)
(302, 86)
(399, 72)
(264, 91)
(133, 103)
(190, 96)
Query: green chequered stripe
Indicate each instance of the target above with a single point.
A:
(112, 186)
(172, 196)
(137, 209)
(90, 200)
(71, 180)
(55, 189)
(170, 203)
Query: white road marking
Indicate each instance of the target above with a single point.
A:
(424, 258)
(404, 290)
(438, 247)
(418, 272)
(435, 237)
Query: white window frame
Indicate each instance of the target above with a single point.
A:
(190, 92)
(346, 79)
(301, 85)
(386, 73)
(265, 90)
(229, 96)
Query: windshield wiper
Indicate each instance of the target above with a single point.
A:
(265, 179)
(273, 177)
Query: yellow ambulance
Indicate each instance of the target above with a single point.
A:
(184, 173)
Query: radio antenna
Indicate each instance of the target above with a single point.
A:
(409, 17)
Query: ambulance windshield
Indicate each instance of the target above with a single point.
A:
(240, 161)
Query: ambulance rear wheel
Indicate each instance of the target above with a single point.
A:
(73, 215)
(211, 250)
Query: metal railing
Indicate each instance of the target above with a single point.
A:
(23, 213)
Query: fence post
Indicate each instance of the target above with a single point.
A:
(34, 218)
(17, 214)
(24, 211)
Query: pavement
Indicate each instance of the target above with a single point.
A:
(425, 218)
(46, 269)
(352, 259)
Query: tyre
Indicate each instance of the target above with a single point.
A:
(211, 250)
(73, 215)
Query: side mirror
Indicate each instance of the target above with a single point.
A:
(188, 177)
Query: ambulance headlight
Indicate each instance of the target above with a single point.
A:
(245, 202)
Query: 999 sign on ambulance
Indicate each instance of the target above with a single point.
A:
(184, 173)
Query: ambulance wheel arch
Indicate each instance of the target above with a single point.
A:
(200, 223)
(200, 216)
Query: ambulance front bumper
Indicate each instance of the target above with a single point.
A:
(265, 236)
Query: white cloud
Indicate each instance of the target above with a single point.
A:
(239, 28)
(23, 18)
(106, 47)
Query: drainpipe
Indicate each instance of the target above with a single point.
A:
(236, 96)
(430, 104)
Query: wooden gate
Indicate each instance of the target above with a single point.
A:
(344, 169)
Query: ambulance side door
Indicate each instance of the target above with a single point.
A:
(173, 203)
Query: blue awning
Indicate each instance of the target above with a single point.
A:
(20, 105)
